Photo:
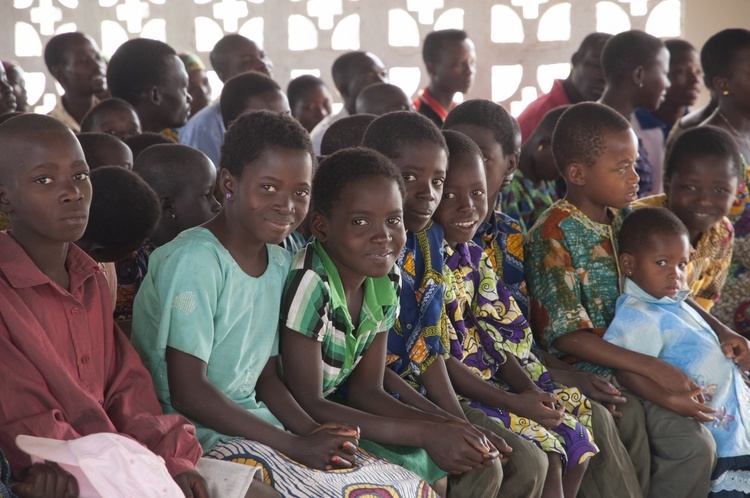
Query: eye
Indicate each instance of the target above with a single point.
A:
(302, 192)
(408, 177)
(485, 158)
(268, 188)
(661, 262)
(438, 182)
(44, 180)
(682, 265)
(477, 193)
(394, 220)
(81, 176)
(689, 188)
(449, 195)
(721, 190)
(360, 222)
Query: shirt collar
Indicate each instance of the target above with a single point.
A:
(634, 290)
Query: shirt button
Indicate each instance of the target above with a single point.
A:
(75, 312)
(101, 401)
(408, 326)
(85, 359)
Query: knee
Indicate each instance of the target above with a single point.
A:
(529, 460)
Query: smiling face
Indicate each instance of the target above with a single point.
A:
(701, 192)
(272, 196)
(660, 268)
(685, 76)
(423, 167)
(654, 81)
(45, 188)
(364, 233)
(464, 203)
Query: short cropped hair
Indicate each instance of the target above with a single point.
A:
(676, 45)
(460, 144)
(485, 114)
(550, 119)
(579, 133)
(625, 51)
(124, 209)
(95, 147)
(254, 132)
(644, 223)
(105, 105)
(702, 141)
(433, 42)
(224, 49)
(54, 51)
(241, 88)
(5, 117)
(344, 133)
(164, 167)
(719, 53)
(591, 42)
(299, 87)
(27, 124)
(136, 65)
(390, 134)
(342, 69)
(139, 143)
(345, 167)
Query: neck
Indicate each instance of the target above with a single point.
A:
(593, 211)
(49, 258)
(444, 97)
(618, 100)
(738, 120)
(574, 96)
(669, 112)
(526, 164)
(77, 105)
(248, 253)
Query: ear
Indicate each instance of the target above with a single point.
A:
(576, 174)
(167, 207)
(430, 68)
(319, 226)
(154, 95)
(5, 205)
(626, 263)
(721, 84)
(513, 163)
(227, 183)
(637, 76)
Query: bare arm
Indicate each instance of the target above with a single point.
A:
(733, 345)
(393, 383)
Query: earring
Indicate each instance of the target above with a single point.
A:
(173, 216)
(640, 85)
(540, 147)
(725, 92)
(229, 195)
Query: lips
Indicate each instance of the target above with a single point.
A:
(76, 218)
(280, 224)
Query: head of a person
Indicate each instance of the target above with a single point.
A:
(234, 54)
(266, 181)
(685, 73)
(344, 133)
(586, 72)
(464, 205)
(183, 179)
(124, 212)
(415, 145)
(199, 87)
(17, 81)
(702, 169)
(309, 100)
(251, 91)
(7, 97)
(354, 71)
(539, 146)
(493, 129)
(8, 115)
(595, 150)
(103, 149)
(73, 59)
(112, 116)
(450, 59)
(358, 212)
(382, 98)
(725, 58)
(150, 76)
(637, 62)
(655, 251)
(141, 142)
(44, 181)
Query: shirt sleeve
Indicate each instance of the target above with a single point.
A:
(305, 304)
(635, 330)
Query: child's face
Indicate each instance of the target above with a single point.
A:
(655, 82)
(46, 191)
(464, 204)
(196, 203)
(423, 167)
(83, 69)
(121, 122)
(364, 234)
(315, 106)
(272, 196)
(612, 181)
(660, 268)
(701, 192)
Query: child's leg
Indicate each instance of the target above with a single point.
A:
(683, 454)
(632, 430)
(525, 472)
(553, 486)
(478, 482)
(610, 473)
(571, 483)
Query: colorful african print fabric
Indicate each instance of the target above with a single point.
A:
(484, 325)
(572, 276)
(709, 259)
(130, 274)
(502, 240)
(414, 342)
(525, 202)
(4, 221)
(5, 491)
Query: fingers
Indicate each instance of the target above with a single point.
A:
(605, 387)
(338, 429)
(613, 410)
(349, 447)
(340, 462)
(728, 350)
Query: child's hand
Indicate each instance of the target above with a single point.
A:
(47, 480)
(330, 446)
(539, 406)
(598, 389)
(668, 377)
(736, 348)
(690, 404)
(192, 484)
(482, 443)
(498, 443)
(456, 450)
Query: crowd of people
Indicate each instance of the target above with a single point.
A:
(258, 297)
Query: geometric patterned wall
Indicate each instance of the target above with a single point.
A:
(522, 45)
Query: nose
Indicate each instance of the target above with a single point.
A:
(425, 191)
(466, 204)
(70, 191)
(285, 205)
(634, 178)
(381, 234)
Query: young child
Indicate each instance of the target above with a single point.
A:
(346, 132)
(67, 370)
(309, 100)
(653, 319)
(416, 342)
(102, 149)
(572, 276)
(341, 298)
(139, 143)
(532, 190)
(489, 334)
(183, 179)
(382, 98)
(113, 116)
(251, 92)
(208, 332)
(702, 170)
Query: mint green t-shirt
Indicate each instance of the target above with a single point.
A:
(196, 299)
